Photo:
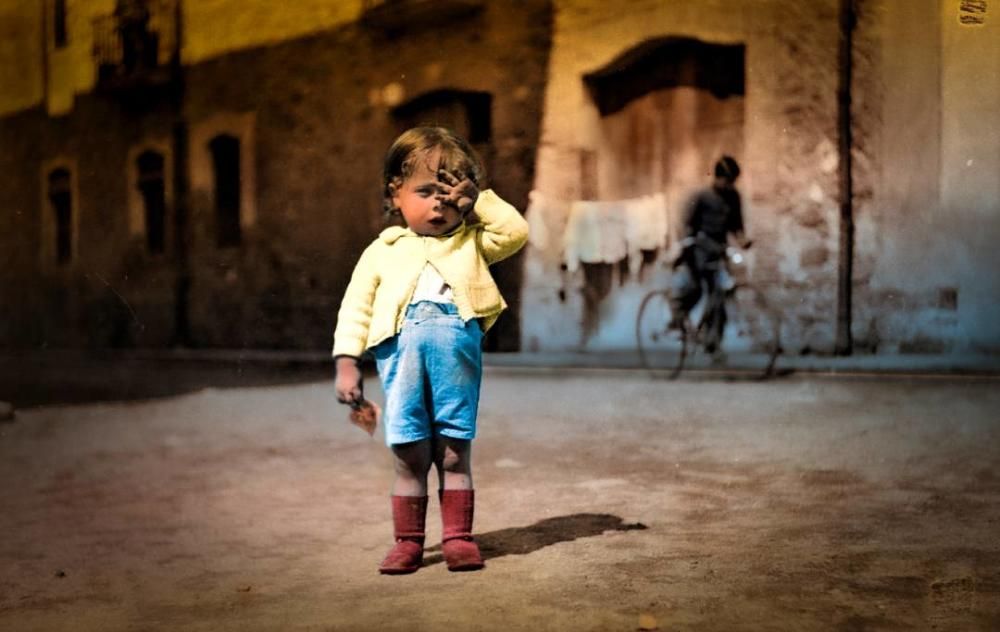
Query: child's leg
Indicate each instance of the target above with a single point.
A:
(453, 458)
(409, 507)
(452, 356)
(412, 462)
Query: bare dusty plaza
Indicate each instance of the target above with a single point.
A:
(609, 501)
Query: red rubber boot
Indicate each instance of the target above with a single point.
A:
(407, 556)
(461, 552)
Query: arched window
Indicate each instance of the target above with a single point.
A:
(226, 168)
(61, 200)
(151, 185)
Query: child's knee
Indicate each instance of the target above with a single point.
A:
(412, 468)
(411, 459)
(455, 456)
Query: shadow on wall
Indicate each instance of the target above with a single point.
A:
(524, 540)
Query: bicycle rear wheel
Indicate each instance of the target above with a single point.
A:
(660, 348)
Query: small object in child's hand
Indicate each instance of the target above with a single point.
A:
(365, 415)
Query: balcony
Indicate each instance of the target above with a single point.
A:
(136, 48)
(400, 15)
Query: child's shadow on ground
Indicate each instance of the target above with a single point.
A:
(524, 540)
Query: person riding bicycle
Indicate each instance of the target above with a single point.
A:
(712, 214)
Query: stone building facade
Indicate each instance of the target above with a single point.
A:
(924, 138)
(226, 205)
(222, 201)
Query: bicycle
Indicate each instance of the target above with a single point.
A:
(751, 321)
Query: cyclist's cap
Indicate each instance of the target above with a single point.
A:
(727, 167)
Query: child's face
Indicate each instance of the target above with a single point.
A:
(416, 200)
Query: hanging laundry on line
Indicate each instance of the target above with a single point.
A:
(609, 231)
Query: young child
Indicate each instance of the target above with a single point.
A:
(420, 298)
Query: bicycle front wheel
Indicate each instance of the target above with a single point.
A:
(756, 320)
(660, 348)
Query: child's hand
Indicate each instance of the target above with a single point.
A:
(460, 193)
(348, 382)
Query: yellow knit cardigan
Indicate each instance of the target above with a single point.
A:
(385, 276)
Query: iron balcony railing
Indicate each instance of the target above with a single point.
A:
(130, 44)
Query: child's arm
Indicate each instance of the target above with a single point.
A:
(503, 232)
(349, 385)
(353, 321)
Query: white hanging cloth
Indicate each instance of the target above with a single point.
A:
(595, 233)
(607, 232)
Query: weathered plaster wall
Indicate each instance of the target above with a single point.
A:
(897, 118)
(790, 162)
(927, 115)
(970, 170)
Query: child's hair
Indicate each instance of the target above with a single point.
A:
(415, 144)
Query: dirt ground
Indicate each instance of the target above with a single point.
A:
(607, 501)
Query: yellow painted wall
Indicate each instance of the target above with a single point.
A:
(20, 55)
(211, 28)
(215, 27)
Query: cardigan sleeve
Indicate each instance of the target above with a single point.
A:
(355, 315)
(503, 230)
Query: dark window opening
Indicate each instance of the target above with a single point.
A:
(669, 108)
(61, 198)
(467, 113)
(59, 23)
(153, 190)
(226, 163)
